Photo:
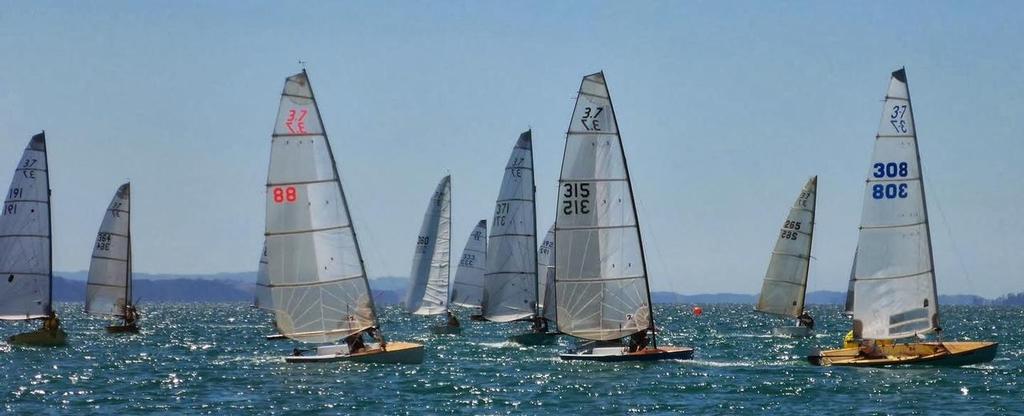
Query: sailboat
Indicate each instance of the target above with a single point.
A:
(264, 299)
(468, 285)
(600, 272)
(785, 282)
(26, 249)
(546, 268)
(429, 278)
(894, 292)
(108, 291)
(315, 270)
(510, 284)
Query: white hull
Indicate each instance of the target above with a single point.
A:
(621, 354)
(792, 331)
(396, 353)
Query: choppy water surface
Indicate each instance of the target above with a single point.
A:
(202, 358)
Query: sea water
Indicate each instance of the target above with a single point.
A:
(213, 359)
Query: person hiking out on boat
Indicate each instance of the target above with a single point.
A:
(130, 315)
(52, 323)
(638, 341)
(453, 322)
(355, 343)
(805, 320)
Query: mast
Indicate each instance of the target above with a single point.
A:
(810, 246)
(128, 270)
(344, 199)
(901, 75)
(636, 214)
(448, 289)
(533, 199)
(49, 221)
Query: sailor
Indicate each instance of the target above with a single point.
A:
(540, 325)
(377, 336)
(638, 341)
(130, 315)
(805, 320)
(355, 342)
(51, 323)
(453, 322)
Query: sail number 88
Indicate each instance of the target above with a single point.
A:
(282, 195)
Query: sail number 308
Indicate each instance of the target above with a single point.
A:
(889, 170)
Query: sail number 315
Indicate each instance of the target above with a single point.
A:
(577, 198)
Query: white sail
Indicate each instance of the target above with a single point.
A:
(600, 275)
(25, 267)
(894, 285)
(315, 270)
(264, 299)
(785, 282)
(468, 285)
(108, 290)
(848, 308)
(546, 271)
(428, 280)
(510, 285)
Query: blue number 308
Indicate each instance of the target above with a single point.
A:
(889, 191)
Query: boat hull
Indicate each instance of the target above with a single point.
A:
(792, 331)
(275, 337)
(445, 330)
(397, 352)
(40, 338)
(122, 329)
(533, 338)
(478, 318)
(618, 354)
(952, 354)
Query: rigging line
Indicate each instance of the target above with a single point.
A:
(654, 239)
(956, 250)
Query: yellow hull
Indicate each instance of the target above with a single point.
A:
(397, 352)
(40, 338)
(924, 353)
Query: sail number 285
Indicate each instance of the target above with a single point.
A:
(576, 198)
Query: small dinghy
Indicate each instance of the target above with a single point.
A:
(315, 273)
(393, 353)
(892, 287)
(785, 282)
(431, 272)
(468, 283)
(601, 278)
(108, 291)
(26, 249)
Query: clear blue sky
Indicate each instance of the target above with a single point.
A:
(725, 109)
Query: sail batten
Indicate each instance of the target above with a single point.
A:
(109, 271)
(468, 284)
(25, 238)
(600, 272)
(510, 284)
(428, 288)
(893, 278)
(315, 276)
(785, 281)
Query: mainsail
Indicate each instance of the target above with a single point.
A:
(109, 288)
(468, 285)
(894, 282)
(25, 238)
(428, 288)
(546, 272)
(785, 283)
(848, 308)
(600, 274)
(510, 285)
(264, 299)
(315, 269)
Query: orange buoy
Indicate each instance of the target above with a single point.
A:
(697, 311)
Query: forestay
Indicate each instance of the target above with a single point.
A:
(315, 271)
(894, 284)
(25, 238)
(546, 272)
(600, 275)
(785, 282)
(108, 290)
(428, 280)
(468, 286)
(510, 285)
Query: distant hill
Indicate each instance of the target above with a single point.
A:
(390, 290)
